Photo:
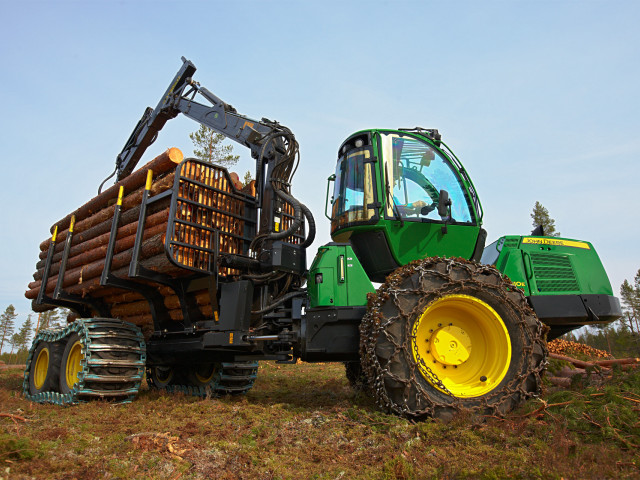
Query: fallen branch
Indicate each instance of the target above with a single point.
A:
(14, 417)
(590, 420)
(578, 363)
(619, 361)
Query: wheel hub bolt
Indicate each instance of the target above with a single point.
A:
(483, 379)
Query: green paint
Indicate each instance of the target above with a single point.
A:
(408, 169)
(556, 266)
(336, 278)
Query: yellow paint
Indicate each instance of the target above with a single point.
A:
(464, 341)
(553, 242)
(247, 124)
(72, 224)
(120, 194)
(206, 376)
(73, 366)
(450, 345)
(216, 316)
(230, 338)
(149, 179)
(41, 369)
(55, 234)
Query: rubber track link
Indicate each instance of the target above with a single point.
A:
(112, 367)
(232, 379)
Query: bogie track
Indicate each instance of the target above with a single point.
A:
(88, 359)
(204, 380)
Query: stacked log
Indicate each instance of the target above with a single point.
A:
(92, 230)
(594, 371)
(566, 347)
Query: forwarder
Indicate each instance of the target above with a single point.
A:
(446, 330)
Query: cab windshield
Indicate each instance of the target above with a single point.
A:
(353, 193)
(415, 172)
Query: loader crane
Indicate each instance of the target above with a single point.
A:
(444, 332)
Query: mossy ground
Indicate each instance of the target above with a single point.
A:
(304, 421)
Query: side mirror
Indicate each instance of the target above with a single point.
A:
(444, 202)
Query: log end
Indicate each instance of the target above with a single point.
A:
(175, 155)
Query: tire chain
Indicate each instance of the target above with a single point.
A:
(374, 325)
(229, 383)
(94, 378)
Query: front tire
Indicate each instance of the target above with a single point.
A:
(446, 335)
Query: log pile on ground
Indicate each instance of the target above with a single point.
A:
(93, 222)
(574, 370)
(566, 347)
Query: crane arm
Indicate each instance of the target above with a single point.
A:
(272, 145)
(219, 116)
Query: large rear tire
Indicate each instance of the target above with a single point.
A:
(445, 335)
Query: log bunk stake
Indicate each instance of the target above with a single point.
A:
(134, 251)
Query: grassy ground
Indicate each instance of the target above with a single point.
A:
(304, 421)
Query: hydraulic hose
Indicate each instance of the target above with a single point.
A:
(297, 216)
(280, 301)
(311, 236)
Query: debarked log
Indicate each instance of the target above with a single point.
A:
(87, 255)
(100, 222)
(150, 248)
(164, 162)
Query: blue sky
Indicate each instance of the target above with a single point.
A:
(537, 98)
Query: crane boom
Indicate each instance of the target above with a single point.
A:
(272, 145)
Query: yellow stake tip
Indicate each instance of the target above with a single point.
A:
(149, 179)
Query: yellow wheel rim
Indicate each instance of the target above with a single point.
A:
(164, 374)
(73, 366)
(464, 342)
(41, 368)
(205, 373)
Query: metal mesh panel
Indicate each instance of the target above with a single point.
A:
(209, 216)
(554, 273)
(511, 243)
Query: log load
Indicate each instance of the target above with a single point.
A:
(207, 198)
(573, 369)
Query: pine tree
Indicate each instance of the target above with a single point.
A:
(541, 216)
(208, 147)
(7, 324)
(247, 178)
(630, 296)
(52, 318)
(24, 333)
(14, 341)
